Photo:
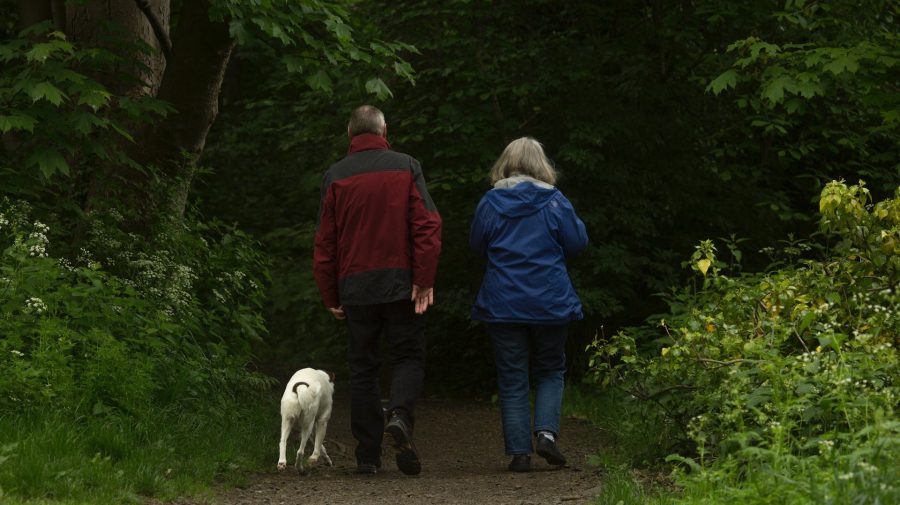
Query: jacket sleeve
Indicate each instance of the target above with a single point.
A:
(425, 230)
(572, 232)
(478, 233)
(325, 261)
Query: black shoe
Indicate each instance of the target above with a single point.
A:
(520, 463)
(400, 436)
(546, 448)
(368, 468)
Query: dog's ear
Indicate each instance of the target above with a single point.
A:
(330, 376)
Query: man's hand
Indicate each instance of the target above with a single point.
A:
(422, 297)
(337, 312)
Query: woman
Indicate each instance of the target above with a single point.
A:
(527, 229)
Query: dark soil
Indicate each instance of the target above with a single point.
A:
(461, 448)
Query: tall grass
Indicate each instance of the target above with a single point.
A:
(59, 457)
(629, 441)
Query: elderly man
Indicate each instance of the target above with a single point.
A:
(376, 255)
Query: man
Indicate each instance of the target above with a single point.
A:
(376, 255)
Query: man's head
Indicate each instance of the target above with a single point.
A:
(367, 119)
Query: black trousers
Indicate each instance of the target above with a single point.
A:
(404, 334)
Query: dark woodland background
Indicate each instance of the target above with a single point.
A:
(161, 163)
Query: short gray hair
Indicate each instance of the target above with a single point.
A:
(524, 156)
(366, 119)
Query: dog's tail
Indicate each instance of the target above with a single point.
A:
(302, 389)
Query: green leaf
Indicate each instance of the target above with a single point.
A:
(377, 87)
(805, 322)
(45, 90)
(727, 79)
(122, 131)
(759, 395)
(687, 461)
(40, 52)
(757, 48)
(320, 81)
(238, 31)
(49, 161)
(774, 89)
(703, 265)
(85, 122)
(356, 55)
(339, 29)
(844, 63)
(94, 98)
(405, 70)
(293, 64)
(17, 122)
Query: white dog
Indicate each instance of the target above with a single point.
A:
(306, 403)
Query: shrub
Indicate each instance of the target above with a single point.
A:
(782, 385)
(75, 334)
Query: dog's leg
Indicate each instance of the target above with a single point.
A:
(319, 448)
(304, 436)
(282, 445)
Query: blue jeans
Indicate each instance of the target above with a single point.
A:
(520, 349)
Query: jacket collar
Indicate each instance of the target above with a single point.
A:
(368, 142)
(518, 178)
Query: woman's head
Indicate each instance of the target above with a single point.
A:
(524, 156)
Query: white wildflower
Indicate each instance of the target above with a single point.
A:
(35, 306)
(867, 467)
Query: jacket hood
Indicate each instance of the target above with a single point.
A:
(520, 195)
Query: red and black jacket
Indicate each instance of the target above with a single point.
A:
(379, 231)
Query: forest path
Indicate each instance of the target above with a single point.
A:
(461, 448)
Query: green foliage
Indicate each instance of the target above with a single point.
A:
(784, 380)
(56, 118)
(317, 38)
(118, 342)
(169, 325)
(820, 92)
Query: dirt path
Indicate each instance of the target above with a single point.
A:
(461, 447)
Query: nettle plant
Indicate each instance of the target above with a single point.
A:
(784, 378)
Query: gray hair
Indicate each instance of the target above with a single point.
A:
(524, 156)
(366, 119)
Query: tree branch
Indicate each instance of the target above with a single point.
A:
(165, 43)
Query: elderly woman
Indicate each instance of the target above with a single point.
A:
(526, 229)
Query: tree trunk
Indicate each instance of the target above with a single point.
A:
(122, 28)
(32, 12)
(192, 82)
(101, 21)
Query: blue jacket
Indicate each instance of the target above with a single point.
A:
(526, 229)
